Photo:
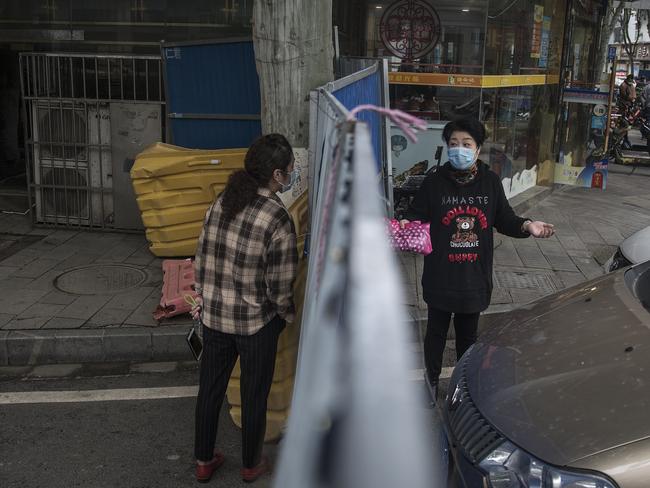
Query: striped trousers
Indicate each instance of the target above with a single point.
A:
(257, 360)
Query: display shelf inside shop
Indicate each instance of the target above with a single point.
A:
(433, 116)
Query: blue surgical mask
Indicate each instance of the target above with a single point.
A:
(462, 158)
(293, 177)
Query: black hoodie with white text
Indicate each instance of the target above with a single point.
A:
(458, 273)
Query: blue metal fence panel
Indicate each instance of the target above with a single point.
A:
(209, 87)
(364, 91)
(214, 134)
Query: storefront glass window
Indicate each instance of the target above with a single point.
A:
(524, 40)
(498, 60)
(520, 122)
(524, 37)
(578, 136)
(459, 51)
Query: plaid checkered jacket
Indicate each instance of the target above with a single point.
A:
(245, 269)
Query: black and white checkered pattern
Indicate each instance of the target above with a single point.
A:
(245, 269)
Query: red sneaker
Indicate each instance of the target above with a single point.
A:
(205, 471)
(251, 474)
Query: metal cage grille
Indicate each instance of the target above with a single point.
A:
(472, 431)
(68, 100)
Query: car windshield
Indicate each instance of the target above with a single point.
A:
(637, 280)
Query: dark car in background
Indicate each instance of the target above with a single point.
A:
(557, 394)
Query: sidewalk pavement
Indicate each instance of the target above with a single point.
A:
(76, 296)
(70, 296)
(590, 224)
(629, 169)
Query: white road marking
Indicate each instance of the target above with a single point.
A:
(126, 394)
(418, 374)
(77, 396)
(446, 373)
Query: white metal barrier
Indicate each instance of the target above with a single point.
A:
(356, 420)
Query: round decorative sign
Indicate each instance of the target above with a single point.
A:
(100, 279)
(600, 110)
(410, 28)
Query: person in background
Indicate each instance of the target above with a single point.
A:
(463, 201)
(245, 268)
(627, 92)
(626, 99)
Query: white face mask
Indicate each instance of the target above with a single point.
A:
(462, 158)
(293, 177)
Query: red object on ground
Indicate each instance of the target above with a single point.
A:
(205, 471)
(178, 282)
(597, 180)
(249, 475)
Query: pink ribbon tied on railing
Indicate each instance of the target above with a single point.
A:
(409, 124)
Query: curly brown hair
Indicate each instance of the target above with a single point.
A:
(266, 154)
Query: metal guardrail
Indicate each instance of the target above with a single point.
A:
(351, 71)
(355, 421)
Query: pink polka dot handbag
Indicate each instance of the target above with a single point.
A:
(414, 237)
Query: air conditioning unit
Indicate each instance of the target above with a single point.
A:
(72, 163)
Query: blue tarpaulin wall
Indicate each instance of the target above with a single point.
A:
(364, 91)
(207, 80)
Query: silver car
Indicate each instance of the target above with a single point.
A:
(634, 250)
(557, 394)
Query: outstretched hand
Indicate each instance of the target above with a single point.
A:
(539, 229)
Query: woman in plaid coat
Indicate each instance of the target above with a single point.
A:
(245, 268)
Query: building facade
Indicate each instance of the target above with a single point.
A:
(504, 61)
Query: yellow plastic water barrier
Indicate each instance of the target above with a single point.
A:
(174, 187)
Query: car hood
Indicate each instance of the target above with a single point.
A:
(567, 377)
(636, 248)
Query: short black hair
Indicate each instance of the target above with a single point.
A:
(472, 126)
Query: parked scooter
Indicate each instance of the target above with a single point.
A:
(618, 150)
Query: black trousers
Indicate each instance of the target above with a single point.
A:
(466, 326)
(257, 360)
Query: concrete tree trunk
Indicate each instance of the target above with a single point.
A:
(294, 54)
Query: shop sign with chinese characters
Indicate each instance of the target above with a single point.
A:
(599, 117)
(643, 52)
(546, 42)
(434, 79)
(460, 80)
(538, 22)
(504, 81)
(574, 95)
(598, 122)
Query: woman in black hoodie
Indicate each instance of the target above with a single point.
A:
(463, 201)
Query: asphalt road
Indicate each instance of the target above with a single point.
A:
(116, 443)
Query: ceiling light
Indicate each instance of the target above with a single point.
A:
(378, 6)
(465, 10)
